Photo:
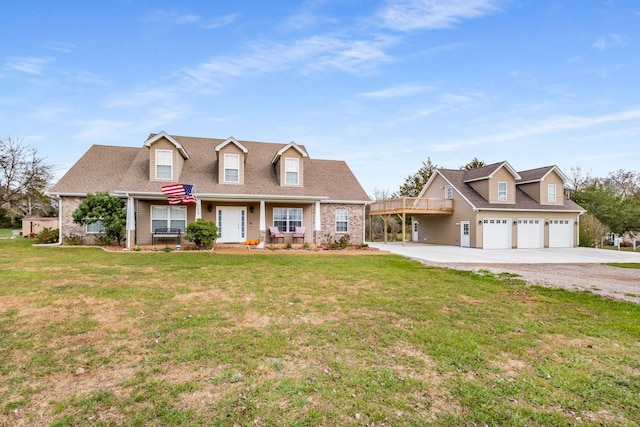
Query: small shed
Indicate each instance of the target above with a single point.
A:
(34, 225)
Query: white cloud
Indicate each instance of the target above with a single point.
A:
(409, 15)
(610, 41)
(548, 126)
(86, 77)
(172, 17)
(59, 47)
(445, 102)
(219, 22)
(30, 65)
(310, 54)
(99, 129)
(397, 91)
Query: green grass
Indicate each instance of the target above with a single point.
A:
(197, 339)
(5, 232)
(626, 265)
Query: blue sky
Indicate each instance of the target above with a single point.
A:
(383, 85)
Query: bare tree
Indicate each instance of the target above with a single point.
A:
(578, 180)
(625, 183)
(379, 194)
(24, 177)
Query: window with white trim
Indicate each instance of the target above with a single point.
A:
(448, 192)
(168, 217)
(164, 164)
(95, 227)
(231, 168)
(342, 220)
(502, 191)
(287, 219)
(292, 171)
(551, 193)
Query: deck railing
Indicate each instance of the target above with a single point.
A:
(411, 205)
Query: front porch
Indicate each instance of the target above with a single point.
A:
(404, 206)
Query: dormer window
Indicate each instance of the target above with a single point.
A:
(551, 193)
(231, 168)
(502, 191)
(164, 164)
(292, 170)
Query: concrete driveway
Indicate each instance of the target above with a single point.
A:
(456, 254)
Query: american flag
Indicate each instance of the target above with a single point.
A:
(179, 193)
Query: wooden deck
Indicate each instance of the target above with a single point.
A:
(412, 206)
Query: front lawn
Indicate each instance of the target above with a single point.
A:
(92, 338)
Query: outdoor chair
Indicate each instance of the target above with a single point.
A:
(274, 233)
(299, 234)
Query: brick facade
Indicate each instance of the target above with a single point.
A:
(328, 221)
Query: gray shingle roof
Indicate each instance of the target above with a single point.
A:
(126, 169)
(532, 175)
(523, 201)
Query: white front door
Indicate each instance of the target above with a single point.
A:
(465, 227)
(232, 224)
(414, 230)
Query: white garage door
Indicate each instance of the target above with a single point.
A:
(560, 233)
(496, 233)
(530, 233)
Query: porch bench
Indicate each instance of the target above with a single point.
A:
(166, 233)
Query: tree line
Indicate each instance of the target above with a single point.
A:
(24, 180)
(612, 202)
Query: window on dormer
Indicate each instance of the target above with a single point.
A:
(551, 193)
(164, 164)
(231, 168)
(292, 171)
(502, 191)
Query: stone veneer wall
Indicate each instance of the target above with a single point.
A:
(328, 218)
(70, 228)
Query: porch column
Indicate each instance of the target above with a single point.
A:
(198, 209)
(317, 223)
(131, 220)
(263, 221)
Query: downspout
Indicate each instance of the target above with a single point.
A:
(59, 220)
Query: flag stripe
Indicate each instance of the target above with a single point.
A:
(179, 193)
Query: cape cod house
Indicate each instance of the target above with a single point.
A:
(491, 207)
(246, 188)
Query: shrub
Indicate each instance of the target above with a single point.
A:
(202, 233)
(104, 240)
(48, 235)
(73, 239)
(341, 243)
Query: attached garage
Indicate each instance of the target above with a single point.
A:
(530, 233)
(561, 233)
(496, 233)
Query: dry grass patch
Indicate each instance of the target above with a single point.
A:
(97, 338)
